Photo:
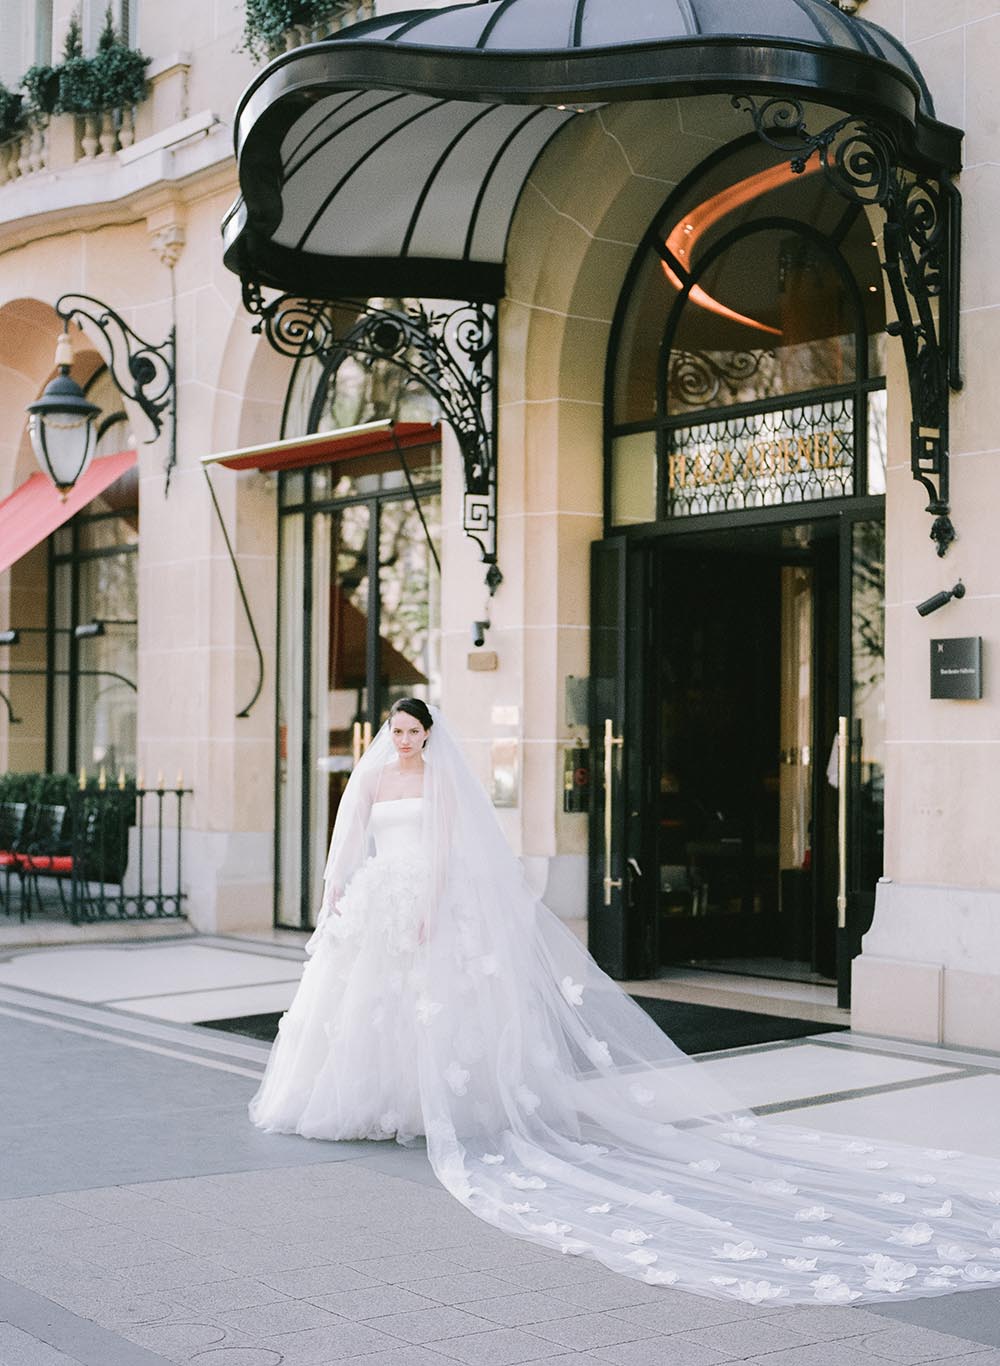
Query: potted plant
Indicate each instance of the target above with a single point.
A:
(12, 119)
(268, 21)
(41, 86)
(120, 78)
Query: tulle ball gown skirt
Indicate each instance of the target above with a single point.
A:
(345, 1065)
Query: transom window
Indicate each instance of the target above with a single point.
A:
(748, 369)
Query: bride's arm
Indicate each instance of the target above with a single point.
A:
(351, 846)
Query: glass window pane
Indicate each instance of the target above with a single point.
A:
(410, 645)
(338, 687)
(748, 459)
(878, 441)
(868, 662)
(772, 315)
(108, 663)
(385, 473)
(633, 478)
(290, 720)
(104, 533)
(292, 487)
(639, 341)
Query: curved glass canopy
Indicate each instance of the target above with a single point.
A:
(389, 159)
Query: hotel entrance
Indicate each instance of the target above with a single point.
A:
(737, 660)
(740, 734)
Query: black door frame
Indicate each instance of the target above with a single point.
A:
(620, 933)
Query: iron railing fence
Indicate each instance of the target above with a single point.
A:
(127, 853)
(96, 852)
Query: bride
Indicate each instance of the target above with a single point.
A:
(441, 998)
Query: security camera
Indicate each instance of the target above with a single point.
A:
(932, 604)
(479, 629)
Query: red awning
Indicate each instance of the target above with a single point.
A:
(35, 510)
(369, 438)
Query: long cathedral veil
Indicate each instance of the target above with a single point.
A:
(556, 1110)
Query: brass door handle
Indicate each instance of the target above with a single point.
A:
(611, 742)
(361, 738)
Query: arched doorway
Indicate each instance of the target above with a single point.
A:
(737, 614)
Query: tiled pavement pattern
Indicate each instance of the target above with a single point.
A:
(142, 1220)
(335, 1262)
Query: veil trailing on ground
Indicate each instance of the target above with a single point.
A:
(556, 1110)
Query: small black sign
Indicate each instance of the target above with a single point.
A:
(957, 667)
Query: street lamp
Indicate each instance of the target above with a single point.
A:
(61, 424)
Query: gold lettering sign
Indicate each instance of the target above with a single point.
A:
(779, 457)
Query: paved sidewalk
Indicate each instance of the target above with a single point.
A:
(143, 1220)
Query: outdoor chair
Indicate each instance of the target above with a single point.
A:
(45, 852)
(12, 821)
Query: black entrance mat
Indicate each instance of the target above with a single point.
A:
(693, 1028)
(709, 1029)
(251, 1026)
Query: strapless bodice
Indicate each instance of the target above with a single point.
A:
(396, 826)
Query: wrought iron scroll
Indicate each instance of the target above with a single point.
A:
(862, 161)
(451, 353)
(696, 378)
(144, 373)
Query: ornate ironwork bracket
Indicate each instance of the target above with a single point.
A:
(921, 245)
(144, 373)
(451, 353)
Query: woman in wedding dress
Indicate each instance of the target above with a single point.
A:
(441, 998)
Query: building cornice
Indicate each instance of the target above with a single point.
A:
(123, 189)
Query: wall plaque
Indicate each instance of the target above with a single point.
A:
(956, 667)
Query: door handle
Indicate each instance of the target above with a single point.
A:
(842, 766)
(356, 743)
(361, 738)
(611, 742)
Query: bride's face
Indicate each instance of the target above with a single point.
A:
(408, 735)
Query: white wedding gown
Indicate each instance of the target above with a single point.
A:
(557, 1111)
(348, 1044)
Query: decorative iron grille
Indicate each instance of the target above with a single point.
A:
(754, 460)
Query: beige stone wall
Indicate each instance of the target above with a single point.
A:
(931, 964)
(573, 237)
(75, 231)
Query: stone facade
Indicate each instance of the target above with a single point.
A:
(140, 229)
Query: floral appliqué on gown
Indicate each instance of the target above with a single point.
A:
(346, 1050)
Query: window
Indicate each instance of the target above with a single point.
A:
(92, 14)
(750, 348)
(43, 32)
(93, 563)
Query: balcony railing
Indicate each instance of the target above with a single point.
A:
(62, 140)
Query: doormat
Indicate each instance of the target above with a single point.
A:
(693, 1028)
(710, 1029)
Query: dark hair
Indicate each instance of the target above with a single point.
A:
(413, 707)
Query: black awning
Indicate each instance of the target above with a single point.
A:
(389, 160)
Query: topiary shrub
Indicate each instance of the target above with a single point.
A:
(119, 71)
(41, 86)
(12, 119)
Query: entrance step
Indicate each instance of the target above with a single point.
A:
(762, 995)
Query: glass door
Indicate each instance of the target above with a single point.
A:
(863, 721)
(619, 927)
(359, 625)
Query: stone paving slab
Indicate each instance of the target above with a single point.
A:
(162, 1227)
